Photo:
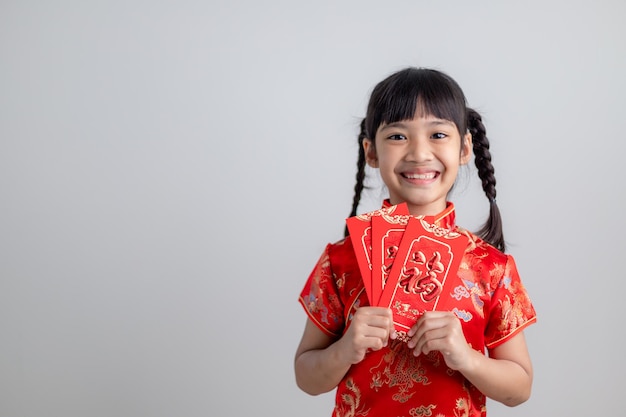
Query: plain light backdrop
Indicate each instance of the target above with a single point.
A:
(170, 172)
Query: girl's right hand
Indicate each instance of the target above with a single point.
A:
(370, 329)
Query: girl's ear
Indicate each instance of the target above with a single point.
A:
(466, 149)
(370, 153)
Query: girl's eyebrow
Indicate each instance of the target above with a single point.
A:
(430, 122)
(393, 125)
(437, 122)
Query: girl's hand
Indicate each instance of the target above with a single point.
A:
(441, 331)
(370, 329)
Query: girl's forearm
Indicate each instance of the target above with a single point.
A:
(320, 370)
(501, 380)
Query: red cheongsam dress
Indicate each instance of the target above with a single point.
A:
(489, 299)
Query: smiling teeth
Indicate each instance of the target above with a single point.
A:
(429, 176)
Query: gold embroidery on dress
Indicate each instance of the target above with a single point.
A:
(340, 281)
(422, 411)
(439, 231)
(512, 313)
(351, 401)
(497, 270)
(471, 239)
(401, 369)
(476, 292)
(464, 405)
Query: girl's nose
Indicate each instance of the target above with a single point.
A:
(418, 150)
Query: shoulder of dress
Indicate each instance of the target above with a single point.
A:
(340, 245)
(483, 249)
(340, 252)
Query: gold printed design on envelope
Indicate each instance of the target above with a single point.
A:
(402, 219)
(428, 255)
(425, 283)
(387, 212)
(391, 253)
(360, 231)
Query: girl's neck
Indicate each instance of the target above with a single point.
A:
(423, 210)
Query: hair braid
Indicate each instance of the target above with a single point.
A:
(491, 231)
(360, 174)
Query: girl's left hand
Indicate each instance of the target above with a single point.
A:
(441, 331)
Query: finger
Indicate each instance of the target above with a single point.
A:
(418, 329)
(443, 345)
(365, 328)
(436, 314)
(374, 339)
(380, 311)
(426, 341)
(378, 320)
(373, 312)
(393, 335)
(434, 321)
(367, 319)
(413, 330)
(376, 343)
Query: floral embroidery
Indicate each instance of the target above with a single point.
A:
(351, 402)
(316, 306)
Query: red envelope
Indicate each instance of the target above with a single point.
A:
(387, 232)
(428, 257)
(360, 230)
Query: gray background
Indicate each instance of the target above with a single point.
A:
(171, 171)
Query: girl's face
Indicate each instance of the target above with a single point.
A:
(419, 160)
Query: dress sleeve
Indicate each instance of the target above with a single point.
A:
(320, 298)
(511, 309)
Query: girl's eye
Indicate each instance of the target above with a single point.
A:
(439, 135)
(397, 137)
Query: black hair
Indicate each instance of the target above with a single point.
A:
(430, 92)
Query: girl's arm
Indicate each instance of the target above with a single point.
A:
(322, 361)
(505, 376)
(318, 366)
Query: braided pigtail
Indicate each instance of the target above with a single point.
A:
(360, 174)
(491, 231)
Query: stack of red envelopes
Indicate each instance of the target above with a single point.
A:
(405, 261)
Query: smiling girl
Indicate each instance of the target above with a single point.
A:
(418, 132)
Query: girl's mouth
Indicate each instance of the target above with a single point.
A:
(423, 177)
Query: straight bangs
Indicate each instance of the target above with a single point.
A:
(416, 92)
